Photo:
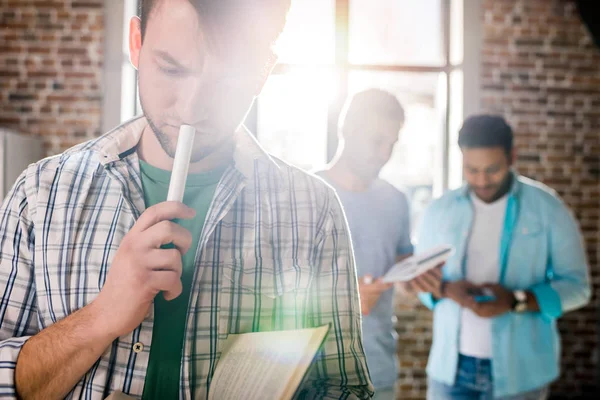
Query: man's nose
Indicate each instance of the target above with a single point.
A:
(191, 102)
(481, 179)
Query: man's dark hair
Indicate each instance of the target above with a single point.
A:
(259, 22)
(369, 102)
(484, 131)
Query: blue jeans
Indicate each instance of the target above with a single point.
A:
(474, 382)
(385, 394)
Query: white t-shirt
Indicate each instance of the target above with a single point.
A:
(482, 266)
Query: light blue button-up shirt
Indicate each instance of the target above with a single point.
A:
(541, 251)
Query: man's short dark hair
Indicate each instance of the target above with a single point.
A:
(257, 21)
(485, 131)
(371, 102)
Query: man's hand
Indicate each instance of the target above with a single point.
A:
(460, 292)
(370, 291)
(502, 303)
(52, 362)
(141, 268)
(429, 282)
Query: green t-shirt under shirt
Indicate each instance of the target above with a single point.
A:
(164, 365)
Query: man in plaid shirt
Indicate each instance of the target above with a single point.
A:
(259, 245)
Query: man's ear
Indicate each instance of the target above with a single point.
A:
(513, 156)
(135, 41)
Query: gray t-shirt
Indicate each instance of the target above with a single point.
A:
(380, 229)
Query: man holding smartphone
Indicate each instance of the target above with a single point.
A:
(519, 265)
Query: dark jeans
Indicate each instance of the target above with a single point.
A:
(474, 382)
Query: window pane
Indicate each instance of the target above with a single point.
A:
(455, 174)
(396, 32)
(292, 117)
(309, 35)
(416, 163)
(457, 30)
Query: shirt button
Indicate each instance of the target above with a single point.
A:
(138, 347)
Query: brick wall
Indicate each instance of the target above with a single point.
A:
(51, 69)
(414, 340)
(541, 71)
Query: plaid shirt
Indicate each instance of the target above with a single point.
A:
(275, 254)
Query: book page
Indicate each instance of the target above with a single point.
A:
(418, 264)
(265, 364)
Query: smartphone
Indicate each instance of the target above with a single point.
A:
(482, 295)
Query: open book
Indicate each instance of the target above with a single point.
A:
(418, 264)
(264, 365)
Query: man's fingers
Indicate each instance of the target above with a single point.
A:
(436, 273)
(418, 285)
(166, 232)
(166, 260)
(164, 211)
(427, 283)
(470, 302)
(381, 285)
(377, 286)
(491, 286)
(364, 308)
(433, 278)
(169, 282)
(470, 285)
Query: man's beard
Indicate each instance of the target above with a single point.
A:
(500, 189)
(165, 141)
(169, 145)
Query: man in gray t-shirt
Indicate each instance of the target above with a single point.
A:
(378, 217)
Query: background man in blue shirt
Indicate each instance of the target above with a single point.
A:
(378, 216)
(516, 239)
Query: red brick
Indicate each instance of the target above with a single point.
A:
(42, 74)
(50, 4)
(72, 51)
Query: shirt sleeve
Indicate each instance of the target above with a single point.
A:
(18, 310)
(340, 368)
(567, 286)
(426, 240)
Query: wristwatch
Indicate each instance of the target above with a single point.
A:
(520, 303)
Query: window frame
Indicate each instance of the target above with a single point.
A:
(120, 102)
(470, 66)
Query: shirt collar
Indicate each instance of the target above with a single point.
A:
(123, 140)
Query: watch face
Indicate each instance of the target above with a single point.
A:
(520, 295)
(521, 307)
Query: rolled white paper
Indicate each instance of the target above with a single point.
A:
(181, 164)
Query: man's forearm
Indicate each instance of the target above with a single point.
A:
(52, 362)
